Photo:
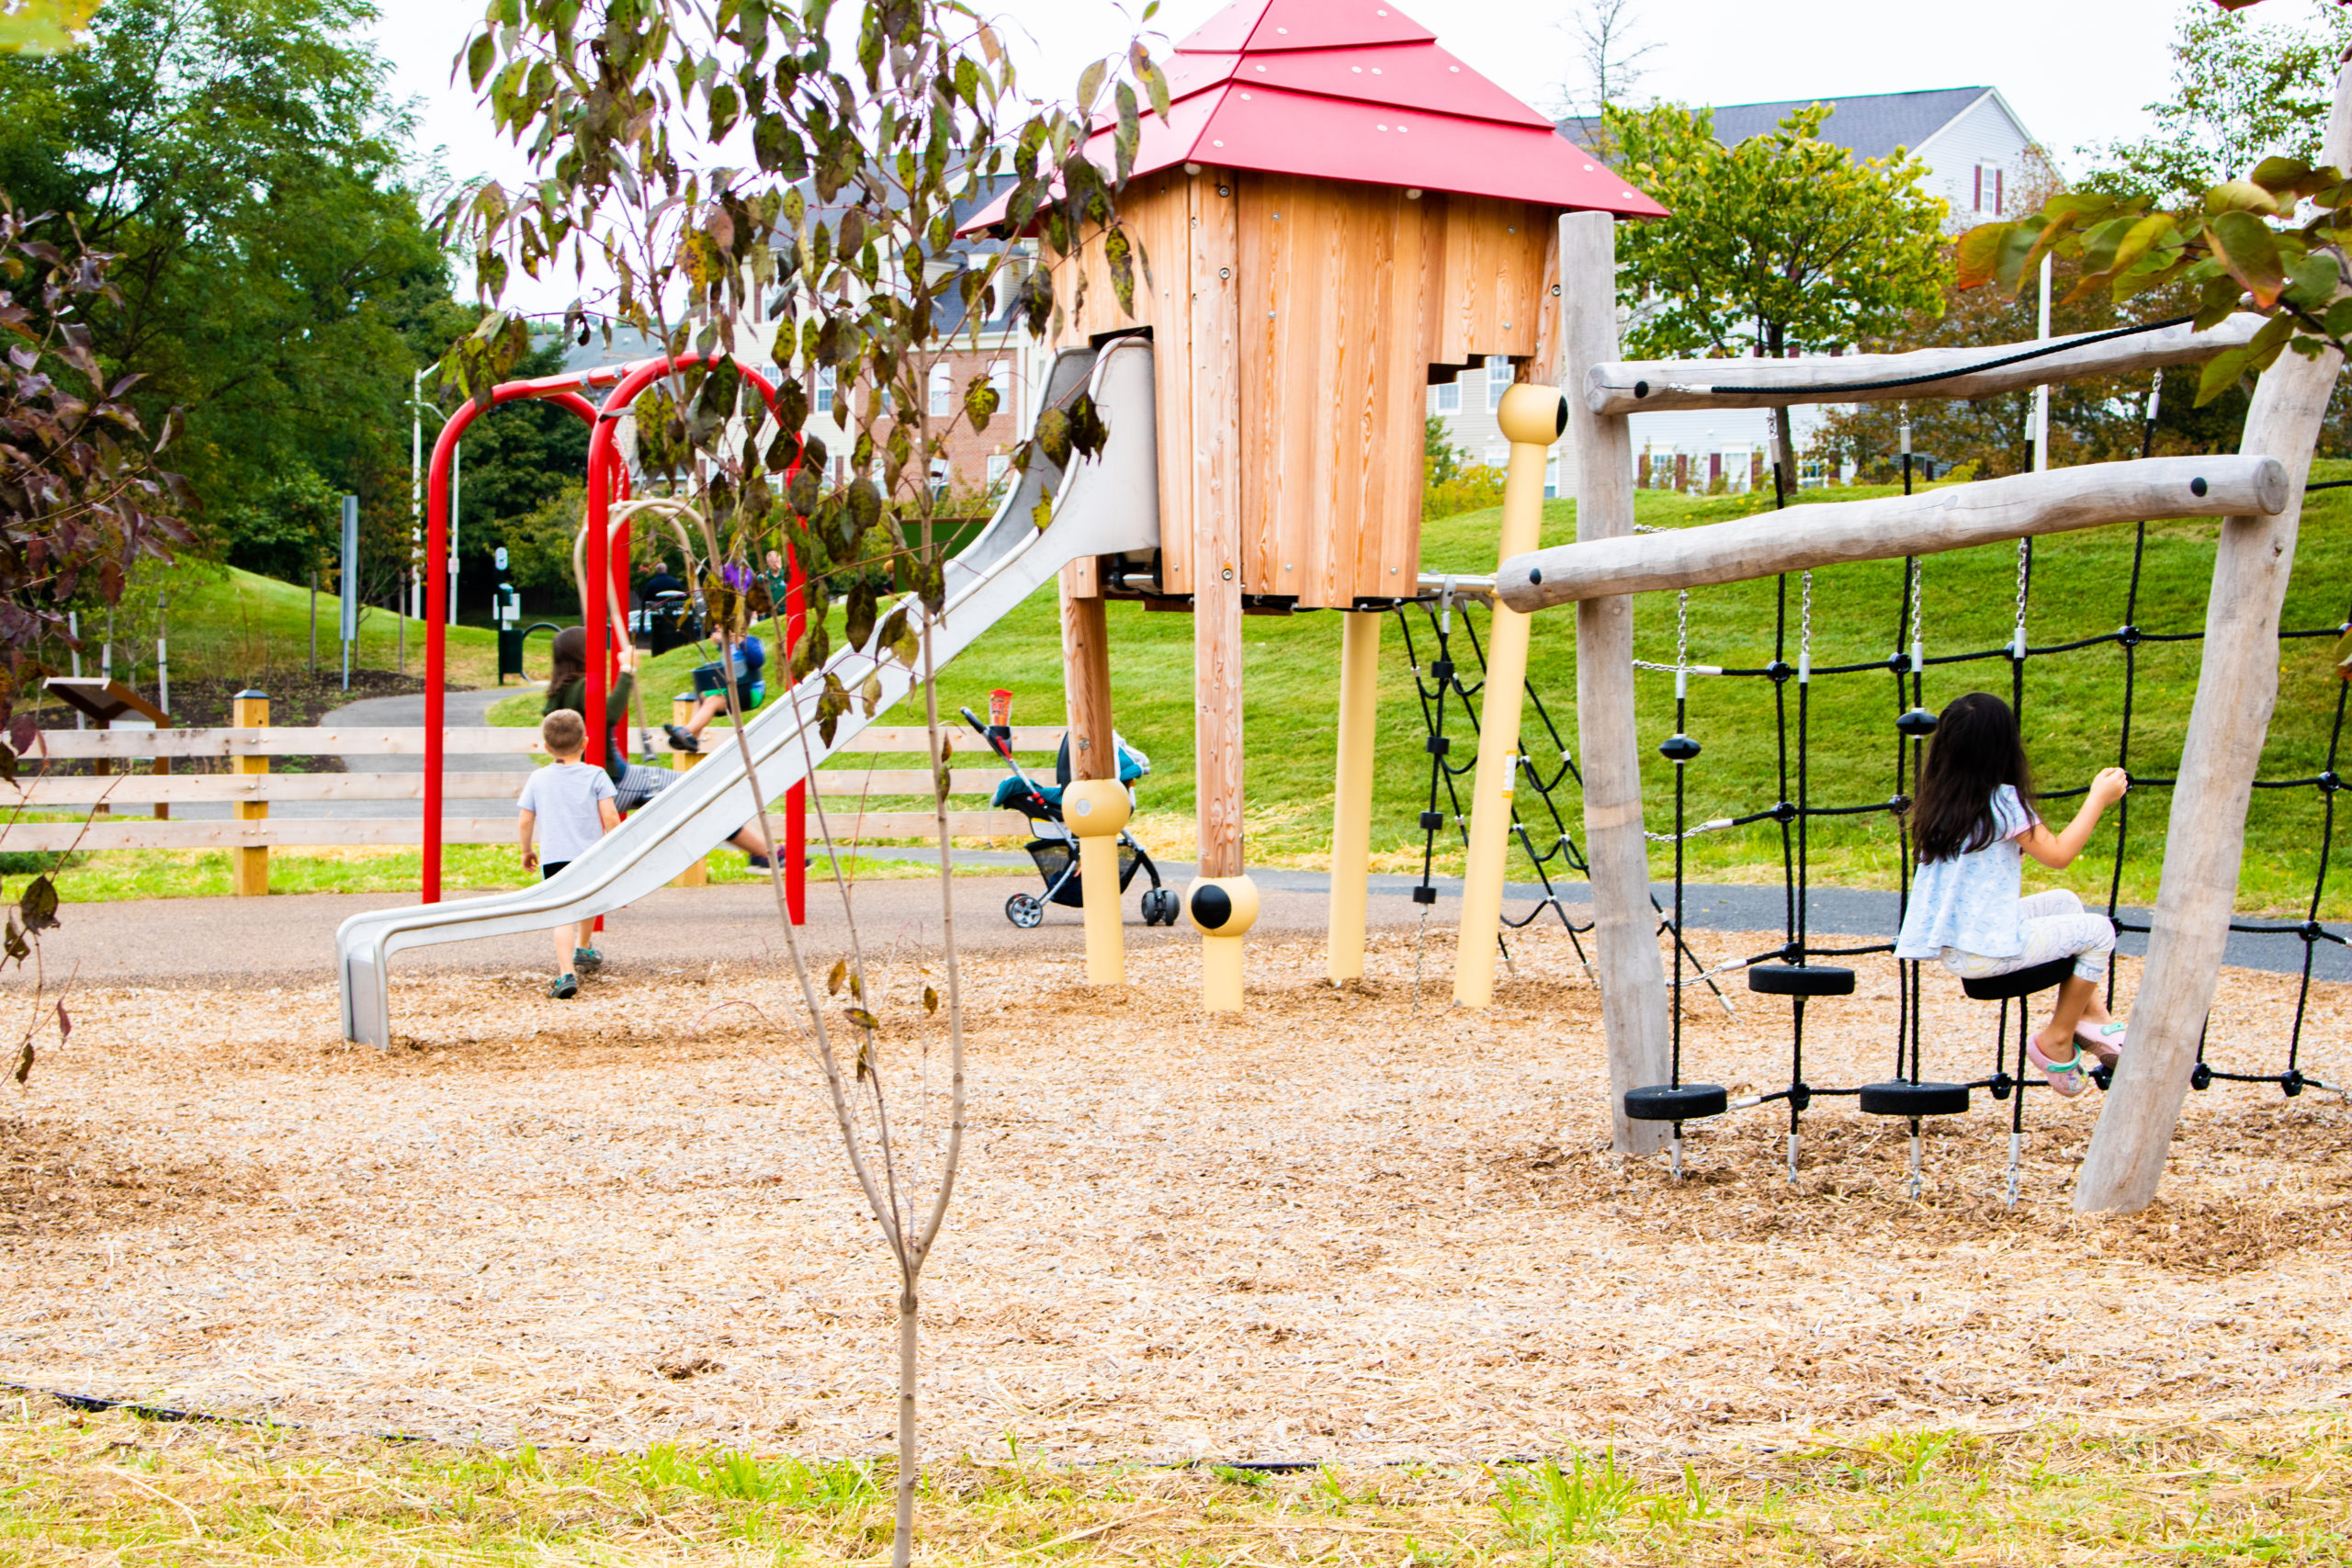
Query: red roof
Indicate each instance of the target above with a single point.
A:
(1357, 90)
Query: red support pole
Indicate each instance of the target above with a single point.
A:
(559, 391)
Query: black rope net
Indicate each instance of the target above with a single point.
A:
(1544, 774)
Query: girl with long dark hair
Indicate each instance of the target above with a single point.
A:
(1974, 823)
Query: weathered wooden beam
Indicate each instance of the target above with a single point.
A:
(1632, 981)
(1893, 526)
(293, 740)
(1652, 385)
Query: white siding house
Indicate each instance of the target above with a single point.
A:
(1980, 159)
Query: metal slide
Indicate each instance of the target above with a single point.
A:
(1102, 506)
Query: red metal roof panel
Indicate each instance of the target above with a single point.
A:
(1410, 75)
(1304, 24)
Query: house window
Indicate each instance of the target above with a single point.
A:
(943, 392)
(824, 389)
(1448, 396)
(1000, 382)
(1497, 383)
(1990, 197)
(1000, 465)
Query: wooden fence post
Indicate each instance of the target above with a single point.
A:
(1632, 981)
(2237, 687)
(249, 864)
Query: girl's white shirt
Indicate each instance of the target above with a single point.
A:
(1969, 904)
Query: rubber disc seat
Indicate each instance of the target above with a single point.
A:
(1897, 1097)
(1677, 1103)
(2017, 983)
(1802, 980)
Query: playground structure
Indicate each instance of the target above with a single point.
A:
(2258, 493)
(1334, 214)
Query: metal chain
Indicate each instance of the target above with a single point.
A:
(1918, 587)
(1682, 631)
(2024, 556)
(1804, 621)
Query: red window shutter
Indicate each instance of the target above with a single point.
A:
(1978, 202)
(1998, 210)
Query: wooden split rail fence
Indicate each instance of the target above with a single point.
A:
(251, 788)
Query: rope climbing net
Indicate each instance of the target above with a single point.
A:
(1546, 779)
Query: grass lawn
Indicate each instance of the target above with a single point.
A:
(233, 624)
(118, 1489)
(2073, 714)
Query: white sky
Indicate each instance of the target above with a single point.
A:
(2075, 71)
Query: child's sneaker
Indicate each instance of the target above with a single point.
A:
(566, 986)
(682, 738)
(586, 960)
(2103, 1041)
(2065, 1076)
(758, 862)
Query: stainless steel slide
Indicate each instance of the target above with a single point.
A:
(1102, 506)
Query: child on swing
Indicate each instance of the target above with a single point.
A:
(1975, 822)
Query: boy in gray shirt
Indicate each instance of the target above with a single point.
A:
(570, 805)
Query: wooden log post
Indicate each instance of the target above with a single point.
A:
(2237, 687)
(1632, 981)
(249, 863)
(681, 710)
(1222, 902)
(1352, 792)
(1532, 417)
(1095, 804)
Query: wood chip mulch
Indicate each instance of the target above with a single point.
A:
(1342, 1226)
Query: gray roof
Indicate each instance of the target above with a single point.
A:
(1870, 124)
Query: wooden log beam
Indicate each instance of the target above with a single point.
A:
(323, 832)
(1893, 526)
(1632, 981)
(2237, 688)
(1653, 386)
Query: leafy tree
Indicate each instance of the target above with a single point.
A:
(43, 27)
(2240, 91)
(243, 163)
(1785, 242)
(1440, 458)
(82, 501)
(874, 136)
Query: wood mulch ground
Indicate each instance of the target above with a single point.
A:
(1341, 1225)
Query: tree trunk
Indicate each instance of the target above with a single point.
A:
(2237, 687)
(902, 1537)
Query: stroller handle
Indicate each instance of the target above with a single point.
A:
(1001, 748)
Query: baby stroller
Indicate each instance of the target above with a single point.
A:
(1055, 849)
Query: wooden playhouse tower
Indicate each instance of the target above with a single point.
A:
(1335, 215)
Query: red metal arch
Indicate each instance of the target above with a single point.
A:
(608, 478)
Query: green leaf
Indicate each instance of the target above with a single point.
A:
(38, 905)
(1979, 252)
(862, 1018)
(480, 56)
(981, 400)
(2314, 281)
(46, 27)
(2241, 196)
(2249, 248)
(2221, 373)
(1090, 83)
(2281, 175)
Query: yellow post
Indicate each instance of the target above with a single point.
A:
(698, 873)
(1096, 809)
(249, 863)
(1223, 909)
(1532, 417)
(1352, 792)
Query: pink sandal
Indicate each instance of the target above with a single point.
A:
(2065, 1076)
(2103, 1041)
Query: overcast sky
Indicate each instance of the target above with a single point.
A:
(2076, 72)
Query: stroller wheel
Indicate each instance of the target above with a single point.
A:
(1025, 910)
(1160, 907)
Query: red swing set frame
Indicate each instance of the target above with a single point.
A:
(607, 561)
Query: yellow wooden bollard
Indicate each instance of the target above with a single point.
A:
(1352, 793)
(698, 873)
(1223, 909)
(249, 863)
(1096, 809)
(1533, 416)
